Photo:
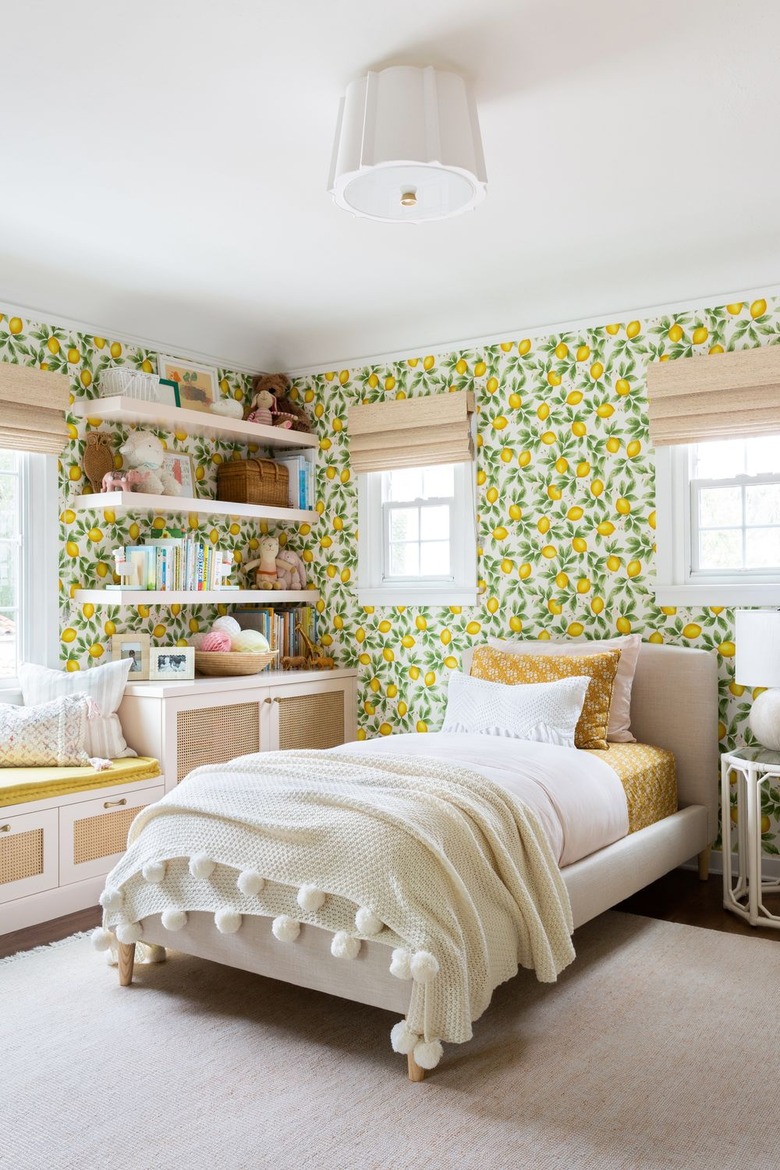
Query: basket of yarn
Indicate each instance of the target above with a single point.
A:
(228, 650)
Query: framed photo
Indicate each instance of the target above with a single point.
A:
(198, 386)
(135, 647)
(172, 662)
(167, 393)
(181, 467)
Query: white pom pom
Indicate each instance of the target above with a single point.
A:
(111, 899)
(250, 882)
(367, 922)
(310, 898)
(344, 946)
(174, 919)
(101, 939)
(153, 872)
(400, 963)
(151, 953)
(129, 932)
(428, 1054)
(403, 1039)
(286, 929)
(227, 921)
(201, 865)
(112, 955)
(424, 967)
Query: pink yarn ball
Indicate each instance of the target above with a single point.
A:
(217, 641)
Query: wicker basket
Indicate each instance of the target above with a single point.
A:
(132, 383)
(232, 662)
(253, 481)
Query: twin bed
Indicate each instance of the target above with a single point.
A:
(644, 825)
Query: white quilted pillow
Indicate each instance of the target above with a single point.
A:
(544, 712)
(104, 684)
(53, 735)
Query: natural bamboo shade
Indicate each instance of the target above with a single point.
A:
(32, 409)
(411, 432)
(719, 396)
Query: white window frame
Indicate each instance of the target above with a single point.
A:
(678, 580)
(38, 566)
(458, 588)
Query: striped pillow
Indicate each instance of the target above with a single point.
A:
(104, 684)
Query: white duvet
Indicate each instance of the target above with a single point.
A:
(578, 798)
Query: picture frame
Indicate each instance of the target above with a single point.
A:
(172, 663)
(198, 385)
(182, 467)
(167, 393)
(133, 645)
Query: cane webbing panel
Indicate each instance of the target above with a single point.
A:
(102, 835)
(311, 721)
(212, 735)
(21, 856)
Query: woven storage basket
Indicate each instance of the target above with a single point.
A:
(132, 383)
(232, 663)
(253, 481)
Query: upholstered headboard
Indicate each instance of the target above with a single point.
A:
(674, 704)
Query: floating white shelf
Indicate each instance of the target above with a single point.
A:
(172, 505)
(194, 597)
(195, 422)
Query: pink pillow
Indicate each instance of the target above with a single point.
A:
(619, 728)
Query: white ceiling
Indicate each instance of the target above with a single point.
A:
(163, 168)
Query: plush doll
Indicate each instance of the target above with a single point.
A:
(265, 566)
(262, 407)
(290, 569)
(144, 453)
(284, 412)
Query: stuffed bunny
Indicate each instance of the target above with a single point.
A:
(290, 569)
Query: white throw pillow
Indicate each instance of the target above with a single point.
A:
(619, 728)
(104, 684)
(53, 735)
(544, 712)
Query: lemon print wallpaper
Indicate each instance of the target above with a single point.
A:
(566, 504)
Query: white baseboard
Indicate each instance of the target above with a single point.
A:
(770, 866)
(49, 904)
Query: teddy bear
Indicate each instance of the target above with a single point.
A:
(265, 565)
(144, 453)
(284, 412)
(290, 569)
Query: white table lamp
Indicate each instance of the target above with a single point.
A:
(757, 638)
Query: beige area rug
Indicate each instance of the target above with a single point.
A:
(659, 1048)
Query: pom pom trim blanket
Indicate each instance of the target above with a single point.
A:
(445, 867)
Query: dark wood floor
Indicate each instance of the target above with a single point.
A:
(677, 897)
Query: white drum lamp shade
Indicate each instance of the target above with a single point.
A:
(757, 639)
(408, 147)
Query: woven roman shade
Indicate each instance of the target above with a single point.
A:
(411, 432)
(32, 409)
(719, 396)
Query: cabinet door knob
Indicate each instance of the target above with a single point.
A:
(114, 803)
(5, 828)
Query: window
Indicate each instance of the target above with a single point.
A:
(719, 522)
(417, 536)
(28, 562)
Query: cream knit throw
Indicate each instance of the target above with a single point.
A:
(433, 860)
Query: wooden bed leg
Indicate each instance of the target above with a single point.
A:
(704, 863)
(125, 959)
(416, 1073)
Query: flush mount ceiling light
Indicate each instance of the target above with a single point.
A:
(408, 147)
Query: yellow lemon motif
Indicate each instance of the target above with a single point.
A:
(583, 585)
(736, 689)
(692, 630)
(578, 429)
(421, 622)
(407, 641)
(524, 346)
(549, 551)
(651, 520)
(15, 326)
(554, 492)
(623, 625)
(561, 350)
(96, 650)
(500, 533)
(622, 505)
(633, 448)
(515, 401)
(389, 382)
(116, 349)
(421, 726)
(430, 678)
(524, 572)
(656, 638)
(597, 487)
(579, 544)
(69, 635)
(757, 309)
(385, 729)
(700, 335)
(414, 673)
(632, 329)
(402, 708)
(669, 610)
(597, 605)
(596, 370)
(515, 512)
(583, 353)
(492, 385)
(473, 628)
(612, 444)
(500, 422)
(622, 387)
(74, 473)
(73, 356)
(675, 333)
(575, 513)
(491, 495)
(543, 524)
(634, 568)
(388, 654)
(612, 329)
(481, 477)
(583, 469)
(605, 410)
(561, 465)
(554, 606)
(429, 362)
(562, 580)
(110, 629)
(446, 637)
(88, 609)
(515, 624)
(575, 629)
(549, 437)
(727, 649)
(461, 365)
(492, 605)
(375, 685)
(613, 563)
(553, 377)
(71, 548)
(479, 369)
(524, 458)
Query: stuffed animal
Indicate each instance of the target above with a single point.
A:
(227, 407)
(265, 575)
(284, 412)
(121, 481)
(262, 408)
(290, 569)
(98, 457)
(144, 453)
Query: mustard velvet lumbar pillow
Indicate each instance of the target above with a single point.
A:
(591, 731)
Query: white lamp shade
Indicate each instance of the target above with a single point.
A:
(408, 147)
(757, 639)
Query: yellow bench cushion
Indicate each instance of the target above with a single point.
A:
(18, 785)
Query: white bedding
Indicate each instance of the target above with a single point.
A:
(578, 798)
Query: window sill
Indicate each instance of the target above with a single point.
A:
(718, 593)
(398, 595)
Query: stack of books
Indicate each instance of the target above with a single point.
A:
(300, 480)
(278, 624)
(174, 563)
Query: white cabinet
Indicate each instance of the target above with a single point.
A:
(211, 720)
(93, 833)
(28, 854)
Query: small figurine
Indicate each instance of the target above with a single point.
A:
(265, 566)
(318, 659)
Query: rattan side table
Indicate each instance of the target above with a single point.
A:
(743, 891)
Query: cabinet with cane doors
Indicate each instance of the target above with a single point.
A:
(212, 720)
